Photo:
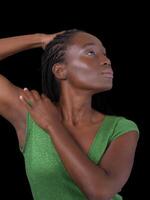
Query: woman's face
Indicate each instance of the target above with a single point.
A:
(87, 64)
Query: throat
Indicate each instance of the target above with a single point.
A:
(91, 121)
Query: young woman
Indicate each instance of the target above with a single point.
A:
(71, 151)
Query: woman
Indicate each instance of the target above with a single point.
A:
(71, 151)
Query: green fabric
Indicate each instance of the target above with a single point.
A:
(48, 178)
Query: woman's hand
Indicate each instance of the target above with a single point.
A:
(46, 38)
(42, 110)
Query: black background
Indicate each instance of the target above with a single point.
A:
(122, 29)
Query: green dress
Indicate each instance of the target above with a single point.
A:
(48, 178)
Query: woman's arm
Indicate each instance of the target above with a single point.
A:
(12, 45)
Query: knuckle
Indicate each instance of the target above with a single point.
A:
(34, 91)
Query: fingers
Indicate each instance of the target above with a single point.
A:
(36, 95)
(28, 98)
(33, 95)
(59, 33)
(45, 98)
(24, 102)
(32, 98)
(28, 95)
(46, 38)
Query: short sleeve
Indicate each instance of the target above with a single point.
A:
(123, 126)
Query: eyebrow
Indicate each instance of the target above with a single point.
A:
(92, 44)
(88, 44)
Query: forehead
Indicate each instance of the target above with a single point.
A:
(82, 39)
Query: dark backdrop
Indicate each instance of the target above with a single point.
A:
(120, 31)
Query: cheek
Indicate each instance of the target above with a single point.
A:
(83, 77)
(81, 72)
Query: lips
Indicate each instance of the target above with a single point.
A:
(107, 73)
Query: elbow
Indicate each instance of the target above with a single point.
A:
(99, 196)
(102, 194)
(1, 57)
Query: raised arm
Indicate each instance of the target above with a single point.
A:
(10, 105)
(12, 45)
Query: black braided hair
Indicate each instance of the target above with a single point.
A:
(54, 53)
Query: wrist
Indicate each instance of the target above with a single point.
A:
(52, 127)
(38, 40)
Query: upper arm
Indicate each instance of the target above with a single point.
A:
(118, 160)
(10, 105)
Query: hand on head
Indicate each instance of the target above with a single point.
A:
(46, 38)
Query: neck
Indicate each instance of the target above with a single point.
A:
(75, 108)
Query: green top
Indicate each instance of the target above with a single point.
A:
(48, 178)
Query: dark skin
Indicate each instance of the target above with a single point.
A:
(11, 45)
(82, 75)
(10, 106)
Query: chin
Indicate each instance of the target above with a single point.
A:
(105, 88)
(108, 86)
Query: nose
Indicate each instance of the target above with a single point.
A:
(105, 61)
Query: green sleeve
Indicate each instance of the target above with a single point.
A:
(123, 126)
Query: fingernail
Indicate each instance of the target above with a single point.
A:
(21, 97)
(25, 89)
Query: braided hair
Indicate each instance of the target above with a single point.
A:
(54, 53)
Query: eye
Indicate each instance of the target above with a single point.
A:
(91, 53)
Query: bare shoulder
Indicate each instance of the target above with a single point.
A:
(10, 105)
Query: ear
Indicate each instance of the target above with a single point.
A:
(60, 71)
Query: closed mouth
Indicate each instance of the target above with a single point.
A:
(108, 73)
